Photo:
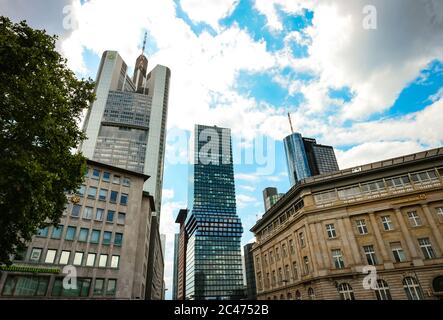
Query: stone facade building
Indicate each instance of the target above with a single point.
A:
(323, 237)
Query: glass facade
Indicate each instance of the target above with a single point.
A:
(213, 261)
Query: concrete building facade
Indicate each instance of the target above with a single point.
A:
(324, 236)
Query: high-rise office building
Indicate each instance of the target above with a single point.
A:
(126, 124)
(213, 261)
(181, 254)
(306, 158)
(251, 289)
(175, 267)
(270, 197)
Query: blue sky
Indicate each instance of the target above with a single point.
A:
(244, 64)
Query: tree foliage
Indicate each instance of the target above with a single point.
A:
(41, 102)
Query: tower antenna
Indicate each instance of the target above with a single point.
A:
(290, 122)
(144, 42)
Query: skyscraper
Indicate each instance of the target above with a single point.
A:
(213, 261)
(251, 289)
(126, 125)
(175, 267)
(306, 158)
(270, 197)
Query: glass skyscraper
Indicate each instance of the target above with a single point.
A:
(213, 260)
(306, 158)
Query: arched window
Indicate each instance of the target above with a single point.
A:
(282, 297)
(289, 296)
(346, 292)
(382, 291)
(437, 283)
(412, 288)
(311, 294)
(297, 295)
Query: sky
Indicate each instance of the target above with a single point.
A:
(371, 92)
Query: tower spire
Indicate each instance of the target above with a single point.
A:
(144, 42)
(290, 122)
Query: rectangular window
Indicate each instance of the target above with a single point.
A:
(414, 219)
(291, 246)
(78, 259)
(115, 260)
(295, 270)
(397, 252)
(70, 233)
(99, 214)
(92, 192)
(370, 255)
(118, 239)
(306, 264)
(361, 226)
(102, 262)
(103, 195)
(90, 260)
(64, 257)
(87, 213)
(126, 182)
(106, 176)
(95, 236)
(277, 253)
(76, 210)
(301, 238)
(330, 230)
(83, 235)
(114, 195)
(116, 180)
(124, 199)
(110, 216)
(337, 257)
(440, 213)
(36, 254)
(426, 248)
(50, 256)
(57, 232)
(96, 174)
(387, 223)
(107, 237)
(98, 287)
(43, 232)
(81, 190)
(110, 289)
(121, 218)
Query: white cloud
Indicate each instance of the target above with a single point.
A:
(208, 11)
(247, 188)
(167, 194)
(437, 96)
(245, 200)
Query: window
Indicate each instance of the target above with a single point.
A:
(106, 176)
(110, 289)
(426, 248)
(70, 233)
(274, 279)
(78, 259)
(96, 174)
(25, 286)
(126, 181)
(337, 257)
(370, 255)
(102, 262)
(50, 256)
(92, 192)
(95, 236)
(311, 294)
(121, 218)
(115, 260)
(295, 270)
(57, 232)
(90, 260)
(414, 219)
(346, 292)
(35, 254)
(118, 239)
(426, 176)
(283, 250)
(306, 264)
(81, 190)
(412, 288)
(110, 216)
(387, 223)
(124, 199)
(103, 194)
(280, 276)
(265, 259)
(64, 257)
(86, 174)
(83, 235)
(82, 290)
(114, 195)
(301, 237)
(277, 253)
(440, 213)
(76, 210)
(99, 214)
(297, 295)
(287, 273)
(98, 287)
(107, 237)
(382, 290)
(271, 257)
(361, 226)
(330, 230)
(291, 246)
(87, 213)
(397, 252)
(116, 179)
(43, 232)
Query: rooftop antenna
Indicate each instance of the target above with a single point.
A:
(144, 42)
(290, 122)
